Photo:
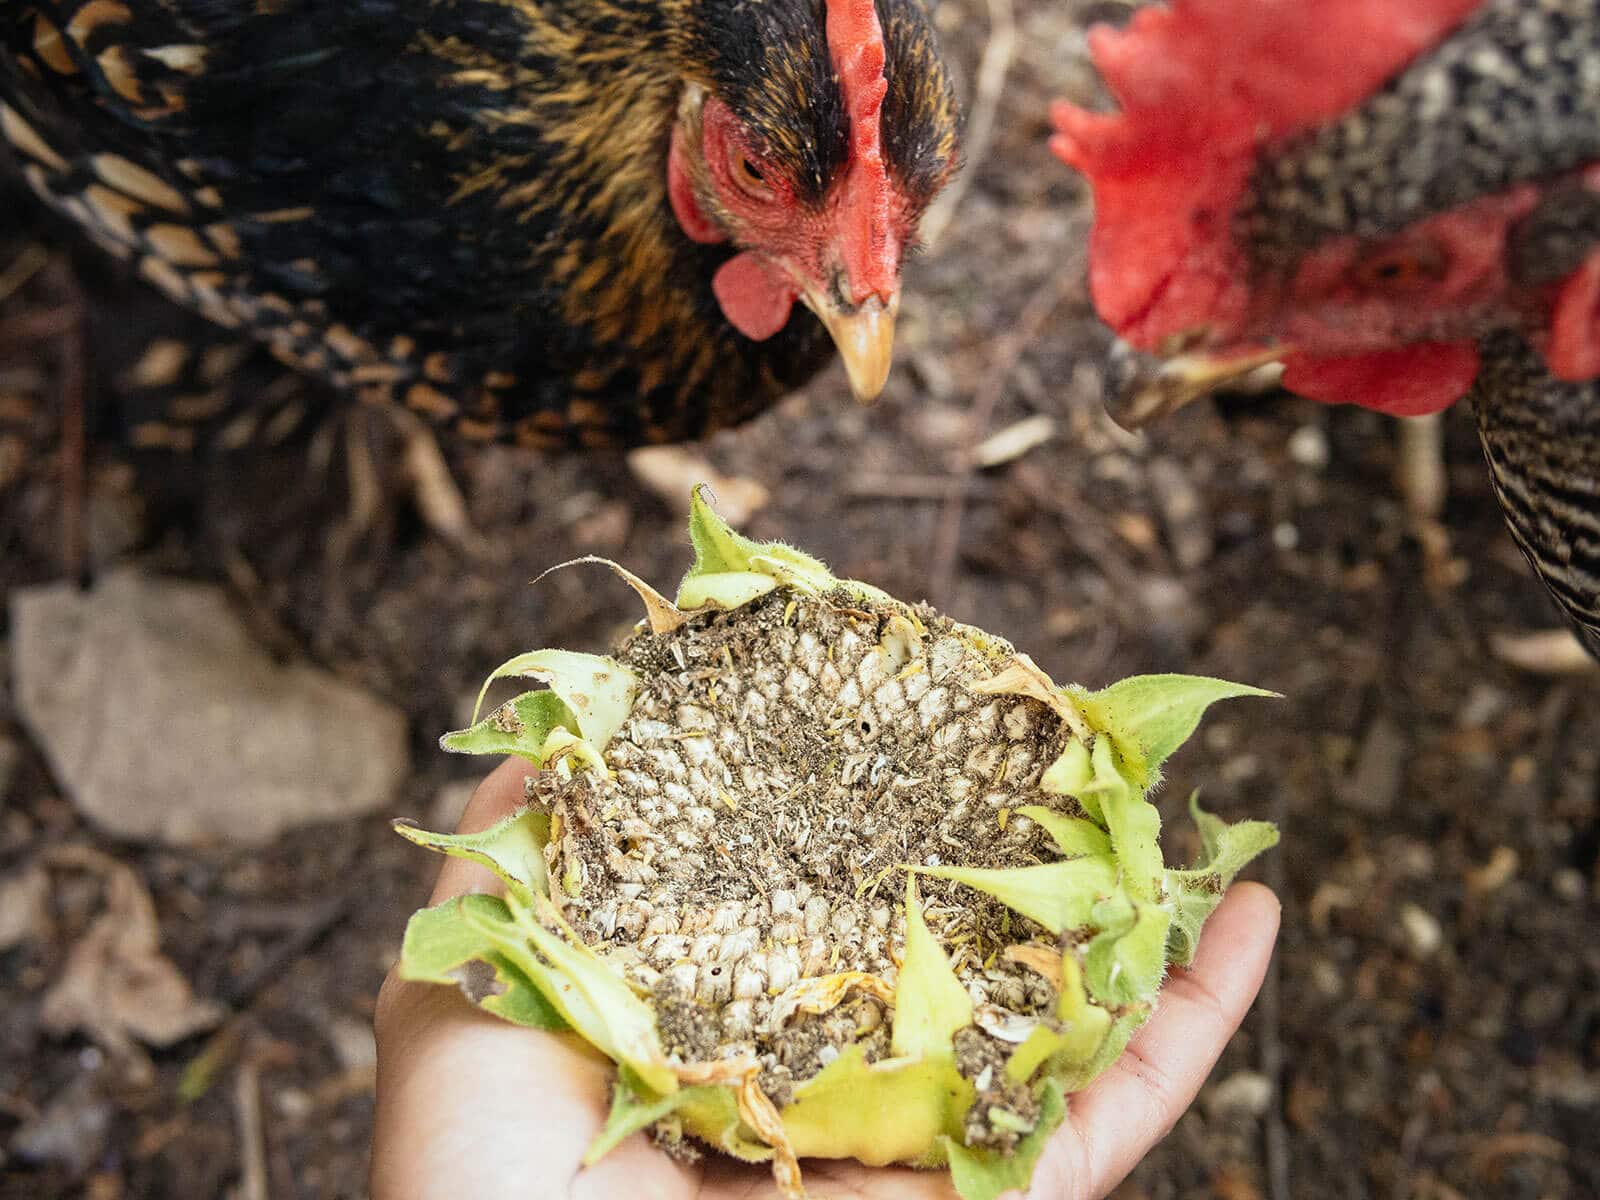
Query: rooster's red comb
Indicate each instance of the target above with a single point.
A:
(1203, 85)
(871, 253)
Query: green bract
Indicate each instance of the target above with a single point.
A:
(830, 875)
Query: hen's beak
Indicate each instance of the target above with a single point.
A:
(865, 338)
(1141, 387)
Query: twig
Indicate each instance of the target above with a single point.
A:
(205, 1068)
(993, 68)
(317, 924)
(880, 486)
(438, 496)
(252, 1139)
(1008, 353)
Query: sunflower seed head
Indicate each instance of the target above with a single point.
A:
(829, 874)
(780, 762)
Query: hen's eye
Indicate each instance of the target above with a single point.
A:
(1402, 270)
(749, 176)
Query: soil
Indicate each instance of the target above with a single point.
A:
(1432, 1027)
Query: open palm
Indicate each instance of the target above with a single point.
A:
(469, 1105)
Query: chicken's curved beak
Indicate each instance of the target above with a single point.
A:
(1141, 387)
(864, 335)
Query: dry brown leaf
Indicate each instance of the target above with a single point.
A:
(758, 1112)
(1023, 677)
(1545, 652)
(23, 915)
(824, 993)
(1045, 960)
(672, 472)
(117, 986)
(663, 615)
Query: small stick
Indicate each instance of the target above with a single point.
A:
(317, 924)
(252, 1138)
(1008, 353)
(871, 486)
(993, 68)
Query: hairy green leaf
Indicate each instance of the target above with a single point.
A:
(512, 848)
(1150, 716)
(984, 1174)
(445, 944)
(1059, 895)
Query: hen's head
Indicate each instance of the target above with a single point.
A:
(817, 133)
(1358, 188)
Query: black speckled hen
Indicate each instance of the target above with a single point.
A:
(554, 222)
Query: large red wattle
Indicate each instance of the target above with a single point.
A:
(755, 297)
(1573, 351)
(1409, 382)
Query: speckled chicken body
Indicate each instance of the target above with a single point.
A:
(461, 205)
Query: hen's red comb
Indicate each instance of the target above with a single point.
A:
(871, 252)
(1203, 85)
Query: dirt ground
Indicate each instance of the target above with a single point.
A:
(1432, 1027)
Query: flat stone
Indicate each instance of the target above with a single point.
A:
(164, 721)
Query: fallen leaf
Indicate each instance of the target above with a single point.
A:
(23, 915)
(1545, 652)
(117, 986)
(1015, 440)
(671, 472)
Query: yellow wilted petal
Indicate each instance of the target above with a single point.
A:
(880, 1113)
(824, 993)
(759, 1113)
(1023, 677)
(590, 996)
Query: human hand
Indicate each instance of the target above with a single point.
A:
(471, 1106)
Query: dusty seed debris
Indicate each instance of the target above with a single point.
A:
(782, 762)
(982, 1059)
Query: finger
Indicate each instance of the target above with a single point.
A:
(726, 1179)
(1136, 1102)
(497, 798)
(469, 1105)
